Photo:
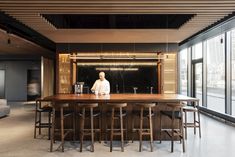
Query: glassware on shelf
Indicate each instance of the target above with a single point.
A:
(151, 90)
(135, 89)
(64, 73)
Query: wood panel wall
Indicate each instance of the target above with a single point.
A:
(47, 74)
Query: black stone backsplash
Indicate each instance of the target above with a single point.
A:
(121, 81)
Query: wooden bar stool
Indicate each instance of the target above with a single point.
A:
(116, 116)
(196, 122)
(144, 114)
(89, 115)
(175, 113)
(59, 108)
(39, 124)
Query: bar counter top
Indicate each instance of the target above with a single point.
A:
(119, 98)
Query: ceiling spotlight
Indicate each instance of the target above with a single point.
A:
(8, 41)
(221, 41)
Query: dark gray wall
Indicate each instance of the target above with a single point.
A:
(16, 78)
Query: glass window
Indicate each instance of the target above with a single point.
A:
(197, 51)
(233, 72)
(183, 71)
(216, 74)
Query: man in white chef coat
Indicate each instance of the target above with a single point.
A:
(101, 86)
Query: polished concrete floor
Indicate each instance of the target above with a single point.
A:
(16, 140)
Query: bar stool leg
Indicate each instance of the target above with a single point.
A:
(49, 125)
(126, 126)
(172, 131)
(36, 116)
(62, 127)
(74, 126)
(82, 129)
(199, 123)
(40, 117)
(151, 129)
(132, 127)
(194, 121)
(92, 130)
(100, 125)
(122, 137)
(111, 134)
(106, 129)
(185, 124)
(160, 136)
(182, 129)
(52, 129)
(141, 128)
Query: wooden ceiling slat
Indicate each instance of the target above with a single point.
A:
(123, 11)
(118, 8)
(116, 1)
(55, 5)
(207, 12)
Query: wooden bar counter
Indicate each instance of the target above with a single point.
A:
(129, 98)
(159, 99)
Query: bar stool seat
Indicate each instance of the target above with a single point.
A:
(116, 116)
(144, 114)
(39, 109)
(84, 114)
(175, 113)
(59, 108)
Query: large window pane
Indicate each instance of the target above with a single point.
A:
(233, 73)
(183, 71)
(197, 51)
(216, 74)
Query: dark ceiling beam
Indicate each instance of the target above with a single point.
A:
(13, 26)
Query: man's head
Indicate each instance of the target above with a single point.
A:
(102, 76)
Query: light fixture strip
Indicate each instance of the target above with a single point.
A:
(116, 57)
(117, 64)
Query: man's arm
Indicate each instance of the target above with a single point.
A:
(94, 86)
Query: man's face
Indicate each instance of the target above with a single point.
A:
(101, 76)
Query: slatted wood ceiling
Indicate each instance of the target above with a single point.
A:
(28, 12)
(19, 46)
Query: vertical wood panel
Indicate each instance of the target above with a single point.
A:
(47, 77)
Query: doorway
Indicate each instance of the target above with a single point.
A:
(2, 84)
(197, 78)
